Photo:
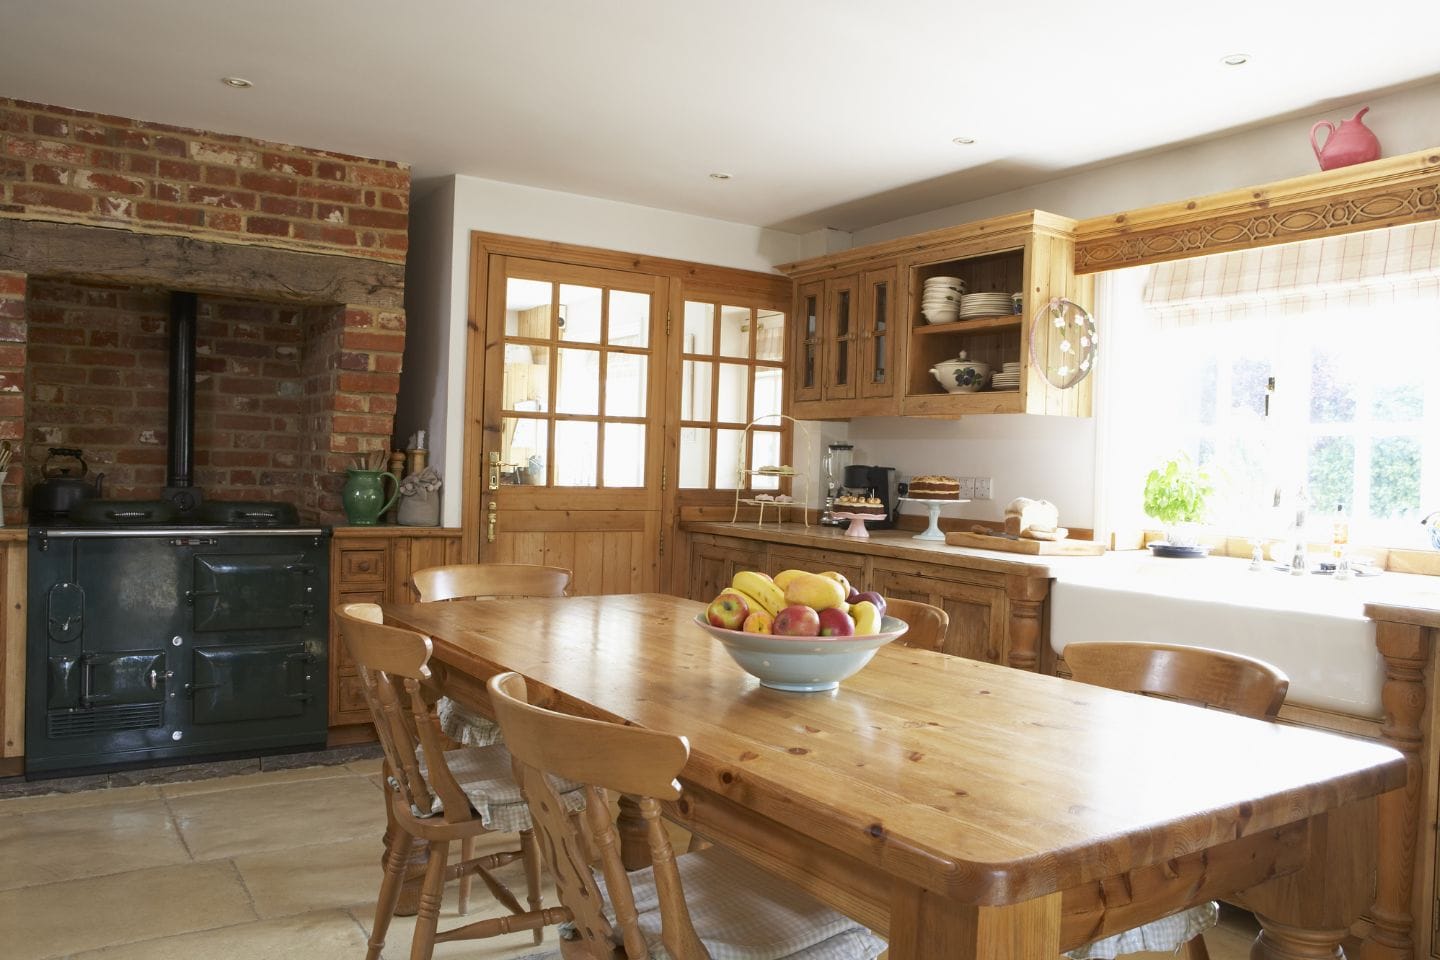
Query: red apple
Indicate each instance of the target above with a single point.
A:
(836, 623)
(797, 620)
(874, 598)
(728, 610)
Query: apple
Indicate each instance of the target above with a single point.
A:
(852, 596)
(836, 623)
(797, 620)
(728, 610)
(876, 599)
(759, 622)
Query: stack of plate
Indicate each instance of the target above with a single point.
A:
(1008, 378)
(941, 300)
(986, 305)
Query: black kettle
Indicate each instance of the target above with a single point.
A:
(64, 484)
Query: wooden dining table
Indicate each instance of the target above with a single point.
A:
(961, 809)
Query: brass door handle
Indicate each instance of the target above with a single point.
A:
(494, 476)
(490, 524)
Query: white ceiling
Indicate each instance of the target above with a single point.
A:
(828, 113)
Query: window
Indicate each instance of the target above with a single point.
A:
(732, 372)
(1305, 367)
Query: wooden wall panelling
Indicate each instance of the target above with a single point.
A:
(12, 650)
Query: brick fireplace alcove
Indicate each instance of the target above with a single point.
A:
(298, 258)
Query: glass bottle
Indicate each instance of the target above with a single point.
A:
(1340, 543)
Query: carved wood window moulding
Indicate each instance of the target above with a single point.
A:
(1367, 196)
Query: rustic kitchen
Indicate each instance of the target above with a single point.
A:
(263, 395)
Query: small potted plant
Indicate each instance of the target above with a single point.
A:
(1175, 494)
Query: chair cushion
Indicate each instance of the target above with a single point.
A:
(465, 726)
(485, 776)
(1164, 935)
(740, 912)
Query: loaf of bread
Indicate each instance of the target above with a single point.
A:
(1024, 514)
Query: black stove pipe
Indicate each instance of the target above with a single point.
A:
(183, 309)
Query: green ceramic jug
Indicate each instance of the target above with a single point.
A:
(364, 495)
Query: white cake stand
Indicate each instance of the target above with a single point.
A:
(932, 532)
(857, 523)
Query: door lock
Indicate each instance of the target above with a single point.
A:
(490, 524)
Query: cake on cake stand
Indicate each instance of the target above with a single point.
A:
(933, 531)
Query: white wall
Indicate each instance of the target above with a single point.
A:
(438, 282)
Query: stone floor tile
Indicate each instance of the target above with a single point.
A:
(46, 846)
(303, 879)
(254, 779)
(60, 919)
(107, 796)
(370, 766)
(321, 935)
(278, 816)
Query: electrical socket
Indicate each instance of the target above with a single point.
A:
(967, 488)
(982, 488)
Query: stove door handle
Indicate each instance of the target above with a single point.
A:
(156, 676)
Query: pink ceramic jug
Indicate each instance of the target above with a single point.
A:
(1351, 142)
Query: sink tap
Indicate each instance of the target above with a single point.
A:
(1432, 523)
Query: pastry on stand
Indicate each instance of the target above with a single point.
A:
(857, 510)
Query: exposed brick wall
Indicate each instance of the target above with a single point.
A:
(98, 380)
(13, 344)
(68, 165)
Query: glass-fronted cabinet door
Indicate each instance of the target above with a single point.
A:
(809, 320)
(842, 337)
(877, 332)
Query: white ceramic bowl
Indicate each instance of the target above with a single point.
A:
(802, 664)
(961, 376)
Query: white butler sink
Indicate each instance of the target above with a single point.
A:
(1312, 627)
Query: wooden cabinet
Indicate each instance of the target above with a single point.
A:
(373, 565)
(977, 611)
(844, 344)
(714, 561)
(864, 348)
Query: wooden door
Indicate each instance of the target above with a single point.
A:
(841, 334)
(878, 371)
(571, 421)
(714, 561)
(805, 375)
(977, 613)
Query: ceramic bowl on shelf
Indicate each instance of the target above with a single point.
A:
(802, 664)
(961, 375)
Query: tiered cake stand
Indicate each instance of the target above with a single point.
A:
(932, 532)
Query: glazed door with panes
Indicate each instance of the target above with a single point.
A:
(810, 310)
(571, 421)
(841, 337)
(877, 333)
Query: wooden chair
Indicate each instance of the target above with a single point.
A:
(1208, 678)
(481, 581)
(487, 581)
(682, 903)
(437, 796)
(928, 624)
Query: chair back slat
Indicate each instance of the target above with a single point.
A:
(605, 757)
(391, 664)
(487, 581)
(1210, 678)
(928, 624)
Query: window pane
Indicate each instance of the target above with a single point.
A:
(734, 331)
(695, 390)
(733, 390)
(528, 308)
(769, 383)
(770, 337)
(694, 457)
(624, 455)
(527, 378)
(522, 450)
(1331, 473)
(629, 319)
(1332, 390)
(575, 454)
(699, 328)
(1401, 399)
(729, 455)
(577, 382)
(766, 454)
(580, 311)
(625, 385)
(1395, 478)
(1248, 382)
(1207, 387)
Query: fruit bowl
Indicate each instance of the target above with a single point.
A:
(802, 664)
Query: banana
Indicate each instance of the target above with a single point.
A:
(783, 578)
(762, 588)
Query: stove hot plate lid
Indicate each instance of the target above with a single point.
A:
(116, 513)
(248, 513)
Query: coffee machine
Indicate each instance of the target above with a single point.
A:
(866, 481)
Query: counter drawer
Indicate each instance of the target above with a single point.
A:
(362, 567)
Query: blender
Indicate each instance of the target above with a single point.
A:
(838, 457)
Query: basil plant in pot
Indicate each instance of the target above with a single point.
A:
(1176, 493)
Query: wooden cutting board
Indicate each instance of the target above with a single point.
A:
(1052, 548)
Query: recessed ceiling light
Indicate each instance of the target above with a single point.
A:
(1235, 59)
(719, 176)
(239, 83)
(964, 141)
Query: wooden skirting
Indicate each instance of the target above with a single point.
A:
(1366, 196)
